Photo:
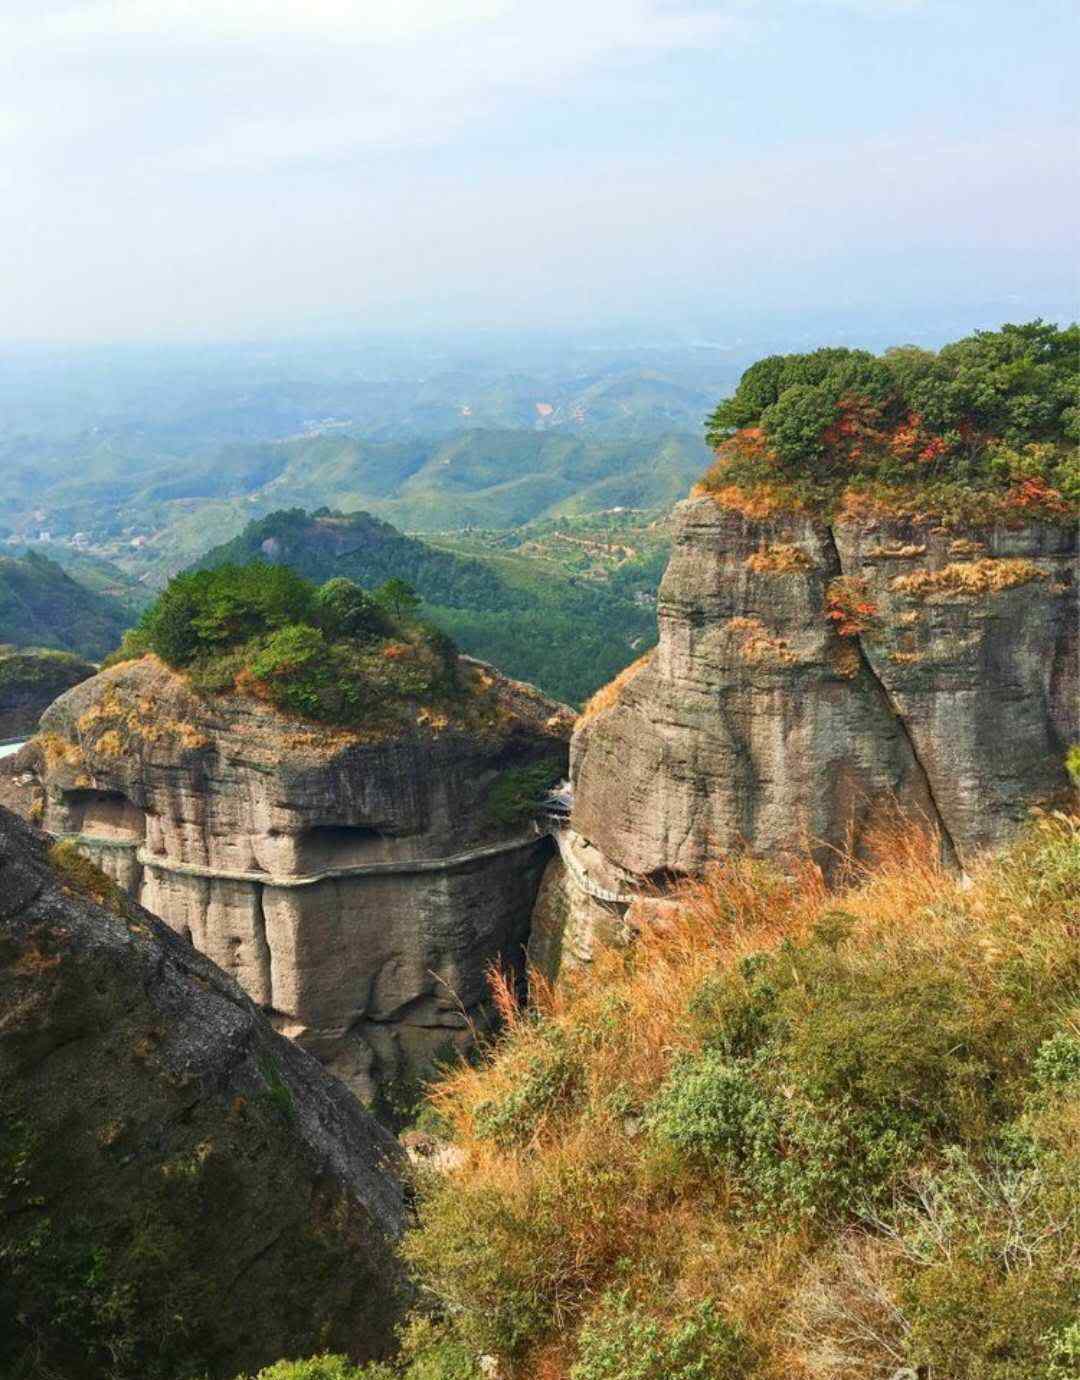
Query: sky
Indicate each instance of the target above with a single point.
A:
(204, 169)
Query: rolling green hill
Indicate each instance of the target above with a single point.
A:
(42, 606)
(566, 632)
(480, 478)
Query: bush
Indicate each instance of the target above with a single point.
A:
(204, 610)
(330, 654)
(620, 1342)
(324, 1367)
(847, 1124)
(343, 609)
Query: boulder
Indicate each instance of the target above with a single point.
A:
(185, 1191)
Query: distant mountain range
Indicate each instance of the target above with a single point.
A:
(154, 522)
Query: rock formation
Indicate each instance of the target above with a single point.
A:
(811, 681)
(185, 1192)
(30, 679)
(358, 890)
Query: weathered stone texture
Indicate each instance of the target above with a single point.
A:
(245, 831)
(757, 723)
(133, 1063)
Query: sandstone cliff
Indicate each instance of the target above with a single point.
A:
(184, 1191)
(358, 890)
(810, 681)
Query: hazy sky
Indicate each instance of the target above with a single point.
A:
(224, 167)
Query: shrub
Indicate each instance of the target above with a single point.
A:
(204, 610)
(1057, 1062)
(847, 1123)
(547, 1082)
(621, 1342)
(324, 1367)
(343, 609)
(994, 412)
(330, 654)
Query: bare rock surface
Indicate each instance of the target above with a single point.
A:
(230, 1200)
(812, 681)
(357, 889)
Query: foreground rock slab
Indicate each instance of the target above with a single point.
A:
(190, 1186)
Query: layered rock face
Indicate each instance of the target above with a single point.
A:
(185, 1191)
(810, 682)
(357, 890)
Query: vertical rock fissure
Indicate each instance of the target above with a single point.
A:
(952, 854)
(262, 947)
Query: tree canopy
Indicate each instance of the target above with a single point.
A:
(332, 652)
(997, 411)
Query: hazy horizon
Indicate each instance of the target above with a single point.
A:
(187, 171)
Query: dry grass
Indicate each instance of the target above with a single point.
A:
(60, 752)
(782, 558)
(756, 645)
(577, 1186)
(608, 695)
(968, 578)
(896, 551)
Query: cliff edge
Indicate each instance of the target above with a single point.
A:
(357, 886)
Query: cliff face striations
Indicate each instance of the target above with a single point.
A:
(812, 679)
(185, 1191)
(358, 890)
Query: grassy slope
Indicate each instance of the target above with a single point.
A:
(789, 1135)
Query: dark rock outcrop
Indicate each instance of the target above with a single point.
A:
(30, 679)
(185, 1191)
(811, 683)
(358, 889)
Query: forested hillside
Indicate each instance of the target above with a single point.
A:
(42, 606)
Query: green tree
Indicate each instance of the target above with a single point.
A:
(343, 609)
(398, 597)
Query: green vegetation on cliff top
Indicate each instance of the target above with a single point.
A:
(564, 605)
(331, 653)
(986, 426)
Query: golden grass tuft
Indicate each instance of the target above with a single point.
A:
(968, 578)
(783, 558)
(608, 695)
(756, 645)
